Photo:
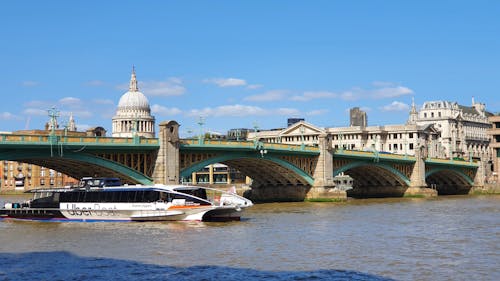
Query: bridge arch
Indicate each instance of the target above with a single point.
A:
(448, 180)
(388, 172)
(374, 179)
(78, 165)
(267, 170)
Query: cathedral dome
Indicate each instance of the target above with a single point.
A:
(133, 115)
(133, 100)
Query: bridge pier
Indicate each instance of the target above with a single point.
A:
(418, 186)
(324, 186)
(167, 169)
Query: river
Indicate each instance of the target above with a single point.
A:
(448, 238)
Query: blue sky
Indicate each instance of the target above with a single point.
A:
(241, 63)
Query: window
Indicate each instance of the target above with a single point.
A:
(411, 146)
(410, 135)
(425, 115)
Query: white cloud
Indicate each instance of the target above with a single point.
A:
(286, 111)
(306, 96)
(9, 116)
(390, 92)
(239, 110)
(254, 86)
(350, 95)
(171, 87)
(274, 95)
(162, 110)
(396, 106)
(382, 90)
(35, 111)
(226, 82)
(317, 112)
(30, 83)
(70, 101)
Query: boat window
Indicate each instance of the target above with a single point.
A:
(165, 196)
(188, 198)
(138, 196)
(151, 196)
(198, 192)
(115, 197)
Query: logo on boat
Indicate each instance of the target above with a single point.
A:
(97, 210)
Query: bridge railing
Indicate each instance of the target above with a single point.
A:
(44, 139)
(374, 154)
(447, 161)
(432, 160)
(249, 144)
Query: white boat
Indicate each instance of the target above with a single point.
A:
(129, 203)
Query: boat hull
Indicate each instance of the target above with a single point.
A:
(186, 214)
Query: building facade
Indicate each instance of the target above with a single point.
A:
(444, 129)
(463, 129)
(17, 176)
(494, 133)
(398, 139)
(357, 117)
(133, 115)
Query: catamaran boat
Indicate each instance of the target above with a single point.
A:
(94, 200)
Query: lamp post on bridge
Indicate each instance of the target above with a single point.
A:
(201, 121)
(255, 127)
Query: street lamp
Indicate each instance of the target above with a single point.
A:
(201, 121)
(255, 127)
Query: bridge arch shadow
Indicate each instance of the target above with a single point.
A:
(448, 181)
(374, 179)
(78, 165)
(284, 180)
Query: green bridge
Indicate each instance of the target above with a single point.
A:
(278, 171)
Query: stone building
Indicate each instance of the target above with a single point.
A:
(444, 129)
(494, 133)
(357, 117)
(133, 115)
(462, 129)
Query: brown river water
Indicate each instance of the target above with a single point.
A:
(449, 238)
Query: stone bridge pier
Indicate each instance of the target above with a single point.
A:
(167, 169)
(324, 186)
(418, 185)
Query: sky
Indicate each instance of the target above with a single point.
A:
(245, 64)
